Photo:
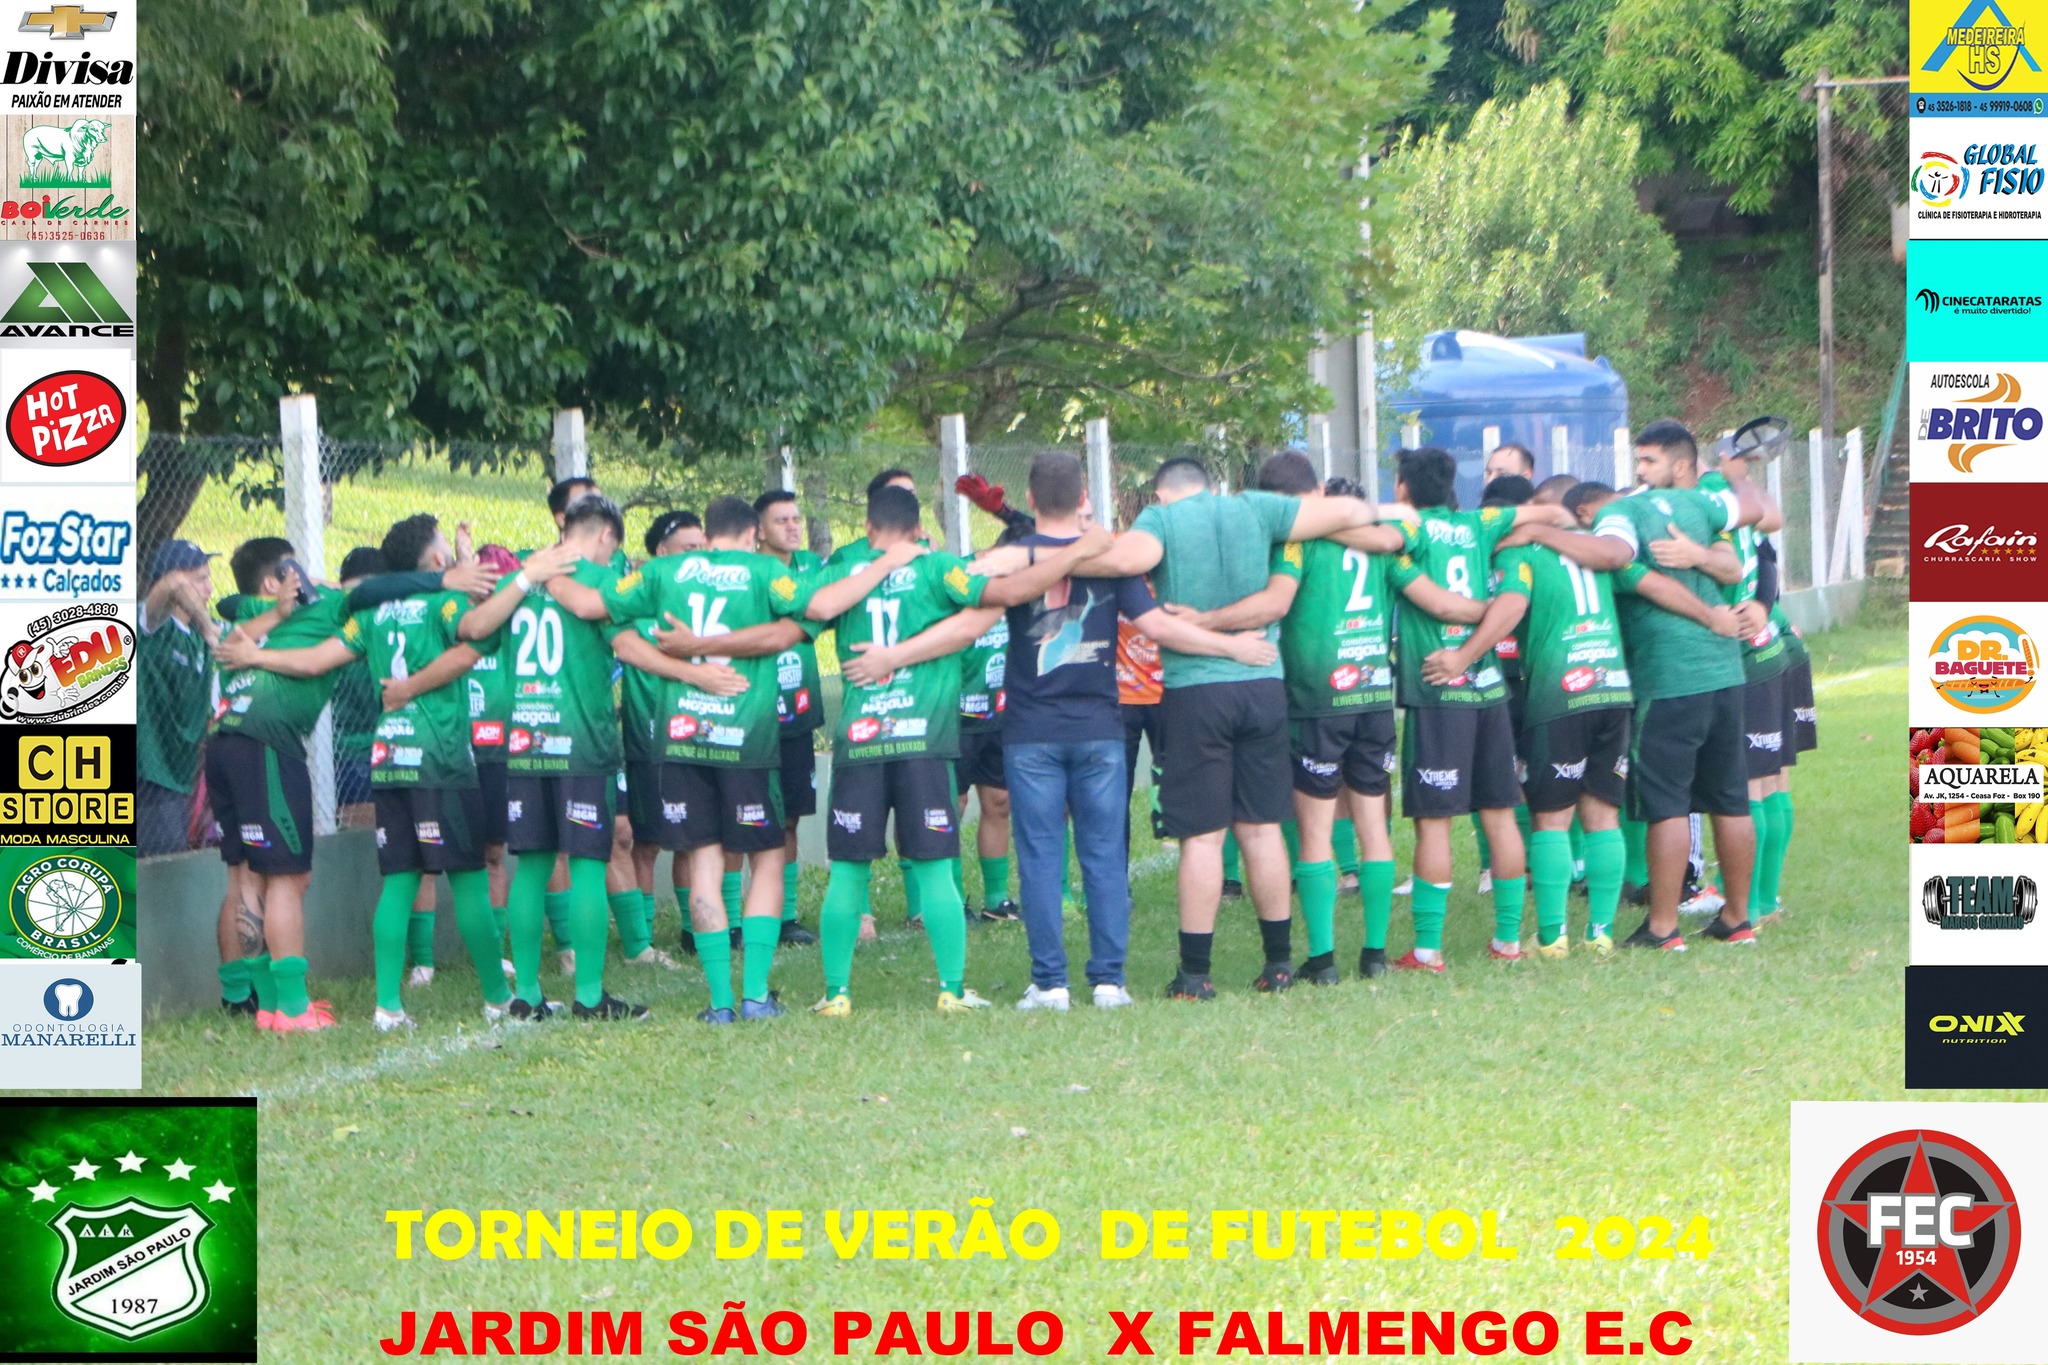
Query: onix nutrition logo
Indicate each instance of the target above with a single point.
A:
(1980, 49)
(1919, 1232)
(1989, 414)
(1966, 902)
(1984, 664)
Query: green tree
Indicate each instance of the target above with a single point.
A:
(1529, 224)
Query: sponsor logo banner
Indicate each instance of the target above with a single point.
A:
(1976, 1028)
(1978, 906)
(69, 903)
(67, 294)
(68, 785)
(1976, 665)
(1963, 304)
(70, 664)
(78, 58)
(70, 1025)
(1978, 47)
(63, 546)
(1906, 1233)
(1976, 542)
(1979, 422)
(69, 418)
(1978, 179)
(67, 178)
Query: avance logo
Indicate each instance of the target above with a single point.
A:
(1971, 1028)
(65, 299)
(1982, 47)
(1990, 420)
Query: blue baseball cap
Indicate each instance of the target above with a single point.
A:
(174, 555)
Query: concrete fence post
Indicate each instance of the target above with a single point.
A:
(1817, 505)
(1101, 478)
(298, 425)
(571, 450)
(952, 465)
(1624, 461)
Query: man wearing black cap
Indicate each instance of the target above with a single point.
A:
(175, 660)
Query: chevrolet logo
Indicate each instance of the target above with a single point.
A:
(67, 21)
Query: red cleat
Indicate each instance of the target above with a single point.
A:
(1409, 962)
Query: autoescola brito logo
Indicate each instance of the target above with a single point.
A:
(1984, 664)
(1990, 420)
(1919, 1232)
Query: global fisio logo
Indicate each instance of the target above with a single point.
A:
(1919, 1233)
(1982, 48)
(1991, 168)
(1967, 902)
(1984, 664)
(1991, 420)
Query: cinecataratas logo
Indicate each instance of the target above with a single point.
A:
(1984, 664)
(1919, 1233)
(1982, 47)
(1990, 420)
(1978, 305)
(1965, 902)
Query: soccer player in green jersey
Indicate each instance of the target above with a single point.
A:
(1458, 748)
(897, 736)
(801, 698)
(980, 765)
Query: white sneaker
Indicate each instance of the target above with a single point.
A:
(494, 1013)
(1486, 882)
(421, 976)
(568, 961)
(654, 957)
(1406, 888)
(1109, 996)
(387, 1020)
(1708, 900)
(1057, 998)
(505, 966)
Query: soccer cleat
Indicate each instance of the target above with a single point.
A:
(833, 1007)
(421, 976)
(387, 1020)
(653, 957)
(914, 923)
(770, 1008)
(1347, 883)
(794, 935)
(689, 942)
(712, 1014)
(1409, 962)
(736, 937)
(608, 1006)
(1050, 998)
(1635, 893)
(496, 1013)
(1372, 962)
(867, 933)
(1273, 978)
(1406, 888)
(1555, 952)
(1233, 889)
(967, 1000)
(1599, 941)
(1319, 971)
(1006, 913)
(265, 1018)
(520, 1012)
(1673, 942)
(317, 1016)
(246, 1005)
(1486, 881)
(1732, 934)
(1498, 952)
(1706, 899)
(1110, 996)
(1185, 986)
(566, 959)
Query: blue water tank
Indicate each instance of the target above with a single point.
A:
(1526, 386)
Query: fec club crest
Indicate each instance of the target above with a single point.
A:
(130, 1268)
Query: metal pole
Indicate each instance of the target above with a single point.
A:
(953, 465)
(1366, 355)
(571, 451)
(1624, 461)
(1826, 135)
(1101, 484)
(298, 423)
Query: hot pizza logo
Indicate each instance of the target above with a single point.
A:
(863, 729)
(66, 418)
(1919, 1232)
(1344, 678)
(682, 727)
(521, 741)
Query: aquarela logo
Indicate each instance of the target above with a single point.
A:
(1982, 47)
(1991, 420)
(1984, 664)
(1938, 180)
(1919, 1233)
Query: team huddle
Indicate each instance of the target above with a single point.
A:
(1583, 673)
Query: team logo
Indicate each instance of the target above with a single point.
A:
(1982, 48)
(863, 729)
(1979, 902)
(131, 1268)
(487, 734)
(682, 727)
(64, 906)
(1345, 677)
(1938, 180)
(800, 700)
(68, 999)
(1984, 664)
(1919, 1232)
(521, 741)
(380, 752)
(1578, 679)
(1990, 420)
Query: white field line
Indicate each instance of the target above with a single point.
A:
(410, 1057)
(1857, 676)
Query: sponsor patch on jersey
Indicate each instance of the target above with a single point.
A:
(556, 745)
(1344, 678)
(726, 736)
(427, 832)
(752, 814)
(379, 752)
(909, 727)
(682, 727)
(1805, 715)
(1443, 779)
(862, 729)
(848, 820)
(1579, 679)
(514, 812)
(1569, 772)
(938, 818)
(254, 837)
(382, 838)
(487, 734)
(1770, 741)
(407, 755)
(675, 812)
(520, 741)
(1621, 766)
(1310, 765)
(583, 813)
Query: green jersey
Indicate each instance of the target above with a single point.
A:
(1454, 550)
(915, 711)
(1214, 551)
(1571, 637)
(800, 691)
(715, 592)
(1766, 654)
(176, 667)
(424, 743)
(270, 708)
(490, 697)
(563, 719)
(1334, 640)
(982, 668)
(1670, 656)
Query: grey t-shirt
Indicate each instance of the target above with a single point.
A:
(1218, 550)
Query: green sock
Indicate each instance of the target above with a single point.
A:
(390, 926)
(1427, 903)
(846, 897)
(261, 981)
(1635, 843)
(556, 903)
(419, 938)
(1763, 818)
(945, 927)
(1550, 870)
(1577, 834)
(731, 888)
(502, 917)
(636, 935)
(1317, 883)
(1376, 889)
(1485, 844)
(995, 880)
(1606, 856)
(913, 892)
(234, 980)
(587, 927)
(789, 879)
(472, 895)
(647, 909)
(290, 974)
(1772, 858)
(1344, 842)
(526, 915)
(714, 951)
(1233, 863)
(1508, 894)
(959, 879)
(761, 933)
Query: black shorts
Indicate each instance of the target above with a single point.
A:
(264, 802)
(643, 800)
(981, 759)
(1766, 742)
(1687, 755)
(1584, 753)
(422, 830)
(1457, 759)
(1354, 750)
(1804, 727)
(1226, 756)
(799, 773)
(739, 809)
(561, 813)
(490, 780)
(921, 793)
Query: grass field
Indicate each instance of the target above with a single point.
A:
(1641, 1085)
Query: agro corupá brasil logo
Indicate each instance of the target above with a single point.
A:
(64, 905)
